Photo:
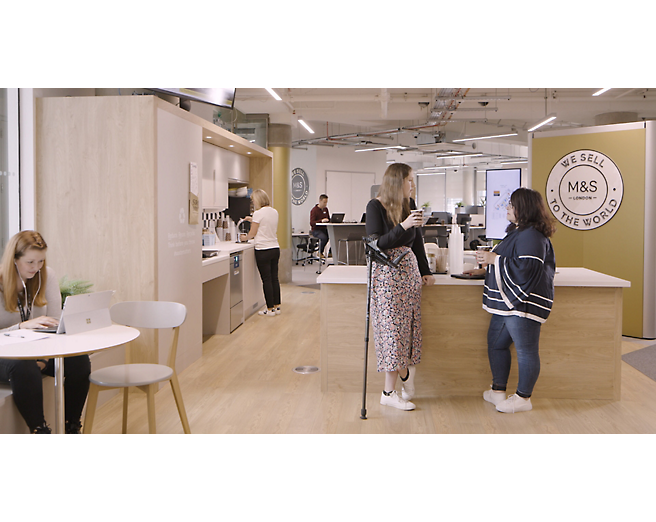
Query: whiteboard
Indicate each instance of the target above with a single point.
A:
(499, 185)
(349, 192)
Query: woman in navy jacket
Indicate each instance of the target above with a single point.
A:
(519, 291)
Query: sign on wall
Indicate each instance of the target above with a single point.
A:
(584, 189)
(499, 185)
(300, 186)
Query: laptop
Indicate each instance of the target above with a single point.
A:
(363, 219)
(83, 313)
(432, 220)
(337, 218)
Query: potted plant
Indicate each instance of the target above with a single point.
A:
(460, 208)
(73, 287)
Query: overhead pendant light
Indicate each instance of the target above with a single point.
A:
(486, 137)
(513, 162)
(306, 126)
(380, 148)
(549, 118)
(273, 93)
(602, 91)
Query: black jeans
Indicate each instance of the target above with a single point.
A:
(267, 263)
(27, 389)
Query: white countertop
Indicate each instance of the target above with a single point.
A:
(224, 248)
(565, 276)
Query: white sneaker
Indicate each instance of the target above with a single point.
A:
(494, 397)
(270, 313)
(408, 386)
(278, 311)
(514, 404)
(395, 401)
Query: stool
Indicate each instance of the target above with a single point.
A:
(357, 240)
(339, 248)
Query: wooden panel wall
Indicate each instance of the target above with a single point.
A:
(95, 192)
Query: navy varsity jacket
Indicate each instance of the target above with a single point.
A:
(521, 280)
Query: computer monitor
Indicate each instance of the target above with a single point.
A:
(442, 216)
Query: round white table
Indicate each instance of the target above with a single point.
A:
(66, 345)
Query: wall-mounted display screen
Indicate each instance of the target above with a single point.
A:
(500, 184)
(222, 96)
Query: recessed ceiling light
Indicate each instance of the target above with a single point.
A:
(232, 145)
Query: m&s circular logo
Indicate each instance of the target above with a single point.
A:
(300, 186)
(584, 189)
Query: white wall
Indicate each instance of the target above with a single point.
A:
(316, 160)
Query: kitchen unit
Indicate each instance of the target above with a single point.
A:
(580, 344)
(112, 196)
(221, 306)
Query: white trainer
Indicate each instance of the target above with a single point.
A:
(270, 313)
(494, 397)
(514, 404)
(278, 311)
(395, 401)
(408, 386)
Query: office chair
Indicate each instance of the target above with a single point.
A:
(141, 314)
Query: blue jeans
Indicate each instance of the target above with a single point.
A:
(322, 235)
(525, 333)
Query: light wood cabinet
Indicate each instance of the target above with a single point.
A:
(112, 185)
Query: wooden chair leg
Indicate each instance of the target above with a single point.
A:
(92, 401)
(177, 394)
(124, 427)
(152, 388)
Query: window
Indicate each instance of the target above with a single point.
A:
(9, 184)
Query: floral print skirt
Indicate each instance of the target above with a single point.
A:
(396, 312)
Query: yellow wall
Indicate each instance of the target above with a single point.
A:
(616, 248)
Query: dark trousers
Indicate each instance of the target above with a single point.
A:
(267, 264)
(322, 235)
(25, 379)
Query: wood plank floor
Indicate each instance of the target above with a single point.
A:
(245, 384)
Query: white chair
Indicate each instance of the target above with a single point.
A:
(141, 314)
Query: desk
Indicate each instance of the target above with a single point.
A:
(65, 345)
(352, 231)
(580, 344)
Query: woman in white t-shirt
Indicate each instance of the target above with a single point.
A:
(264, 224)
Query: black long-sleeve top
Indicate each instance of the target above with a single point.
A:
(391, 236)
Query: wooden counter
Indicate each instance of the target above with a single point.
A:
(579, 344)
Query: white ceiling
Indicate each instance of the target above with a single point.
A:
(426, 121)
